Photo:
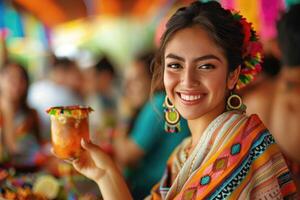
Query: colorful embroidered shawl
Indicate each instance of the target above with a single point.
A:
(236, 158)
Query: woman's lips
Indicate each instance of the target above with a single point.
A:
(190, 98)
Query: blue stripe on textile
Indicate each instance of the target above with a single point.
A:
(262, 143)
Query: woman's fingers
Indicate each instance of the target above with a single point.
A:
(101, 159)
(86, 166)
(77, 164)
(89, 146)
(83, 162)
(53, 152)
(66, 160)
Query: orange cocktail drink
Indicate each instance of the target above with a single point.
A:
(69, 124)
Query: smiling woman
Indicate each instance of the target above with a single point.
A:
(195, 74)
(201, 62)
(206, 53)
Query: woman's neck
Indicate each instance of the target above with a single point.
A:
(198, 126)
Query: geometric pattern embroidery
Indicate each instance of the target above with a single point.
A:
(284, 178)
(235, 149)
(190, 194)
(220, 164)
(226, 189)
(205, 180)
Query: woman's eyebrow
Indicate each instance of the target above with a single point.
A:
(201, 58)
(207, 57)
(171, 55)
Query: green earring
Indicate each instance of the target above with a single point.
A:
(172, 117)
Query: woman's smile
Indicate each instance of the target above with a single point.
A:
(195, 73)
(191, 98)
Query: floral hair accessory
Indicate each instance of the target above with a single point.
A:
(252, 53)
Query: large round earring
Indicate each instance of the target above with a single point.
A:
(172, 117)
(234, 102)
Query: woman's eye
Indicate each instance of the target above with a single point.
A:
(174, 66)
(207, 66)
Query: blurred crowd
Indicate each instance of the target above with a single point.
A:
(122, 111)
(127, 121)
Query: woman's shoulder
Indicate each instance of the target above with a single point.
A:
(256, 119)
(253, 117)
(248, 117)
(237, 125)
(253, 123)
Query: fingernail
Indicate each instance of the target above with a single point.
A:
(83, 142)
(75, 161)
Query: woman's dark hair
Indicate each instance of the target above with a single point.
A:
(146, 59)
(104, 65)
(25, 76)
(289, 36)
(226, 31)
(63, 63)
(271, 66)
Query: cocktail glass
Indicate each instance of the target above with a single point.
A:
(69, 124)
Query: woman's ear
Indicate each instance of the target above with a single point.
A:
(233, 78)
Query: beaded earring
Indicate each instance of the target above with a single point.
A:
(172, 117)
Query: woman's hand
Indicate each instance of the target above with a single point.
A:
(93, 162)
(99, 167)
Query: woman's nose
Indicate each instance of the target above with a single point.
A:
(190, 78)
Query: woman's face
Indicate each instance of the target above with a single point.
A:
(137, 84)
(195, 73)
(13, 83)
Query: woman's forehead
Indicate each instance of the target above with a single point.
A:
(192, 41)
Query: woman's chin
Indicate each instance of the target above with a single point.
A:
(190, 115)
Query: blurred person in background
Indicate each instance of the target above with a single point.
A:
(203, 57)
(275, 94)
(60, 88)
(285, 117)
(19, 124)
(101, 95)
(136, 90)
(259, 95)
(143, 154)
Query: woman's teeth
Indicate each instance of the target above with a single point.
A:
(190, 97)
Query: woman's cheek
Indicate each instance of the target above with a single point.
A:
(170, 82)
